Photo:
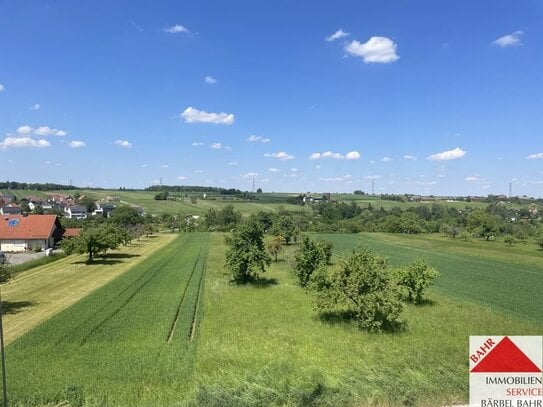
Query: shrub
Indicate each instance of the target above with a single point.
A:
(415, 278)
(363, 288)
(308, 258)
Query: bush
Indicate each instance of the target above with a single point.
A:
(415, 278)
(308, 258)
(363, 288)
(326, 248)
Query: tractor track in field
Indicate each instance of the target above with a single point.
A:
(197, 303)
(161, 264)
(176, 317)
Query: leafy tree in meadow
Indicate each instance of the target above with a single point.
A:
(509, 240)
(126, 216)
(482, 224)
(415, 278)
(5, 273)
(95, 240)
(246, 256)
(275, 246)
(286, 228)
(309, 257)
(363, 288)
(327, 248)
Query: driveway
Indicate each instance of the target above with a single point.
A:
(18, 258)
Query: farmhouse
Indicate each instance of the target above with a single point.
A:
(33, 232)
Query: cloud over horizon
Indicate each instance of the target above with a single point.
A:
(192, 115)
(447, 155)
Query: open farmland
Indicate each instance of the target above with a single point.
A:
(131, 342)
(503, 278)
(264, 344)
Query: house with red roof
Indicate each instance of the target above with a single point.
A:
(33, 232)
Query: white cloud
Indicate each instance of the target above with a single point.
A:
(274, 170)
(472, 178)
(176, 29)
(447, 155)
(326, 154)
(372, 177)
(77, 144)
(294, 169)
(509, 40)
(192, 115)
(36, 106)
(164, 166)
(335, 179)
(250, 175)
(144, 165)
(535, 156)
(210, 80)
(260, 139)
(227, 148)
(23, 142)
(337, 35)
(409, 157)
(216, 146)
(197, 144)
(123, 143)
(182, 177)
(47, 131)
(24, 130)
(2, 88)
(352, 155)
(233, 163)
(386, 159)
(380, 50)
(281, 155)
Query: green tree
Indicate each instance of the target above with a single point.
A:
(482, 224)
(327, 248)
(6, 273)
(308, 258)
(95, 240)
(275, 246)
(126, 216)
(246, 255)
(88, 203)
(509, 240)
(286, 228)
(361, 287)
(415, 278)
(539, 242)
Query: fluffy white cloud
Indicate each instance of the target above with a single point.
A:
(334, 179)
(77, 144)
(210, 80)
(380, 50)
(274, 170)
(25, 130)
(294, 169)
(182, 177)
(535, 156)
(386, 159)
(281, 155)
(164, 166)
(409, 157)
(197, 144)
(337, 35)
(326, 154)
(192, 115)
(509, 40)
(2, 87)
(260, 139)
(47, 131)
(22, 142)
(176, 29)
(216, 146)
(352, 155)
(250, 175)
(36, 106)
(448, 155)
(123, 143)
(233, 163)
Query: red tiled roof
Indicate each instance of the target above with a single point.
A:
(27, 227)
(71, 232)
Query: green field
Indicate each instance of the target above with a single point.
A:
(131, 342)
(148, 338)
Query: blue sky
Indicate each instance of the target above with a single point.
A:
(423, 97)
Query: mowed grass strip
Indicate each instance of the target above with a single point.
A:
(264, 345)
(111, 347)
(37, 294)
(510, 280)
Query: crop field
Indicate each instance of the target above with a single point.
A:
(509, 279)
(264, 344)
(130, 342)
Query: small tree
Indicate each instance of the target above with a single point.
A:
(539, 242)
(275, 246)
(95, 240)
(327, 248)
(5, 273)
(416, 277)
(362, 287)
(308, 258)
(286, 228)
(246, 255)
(509, 240)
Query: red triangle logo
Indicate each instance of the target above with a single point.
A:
(506, 357)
